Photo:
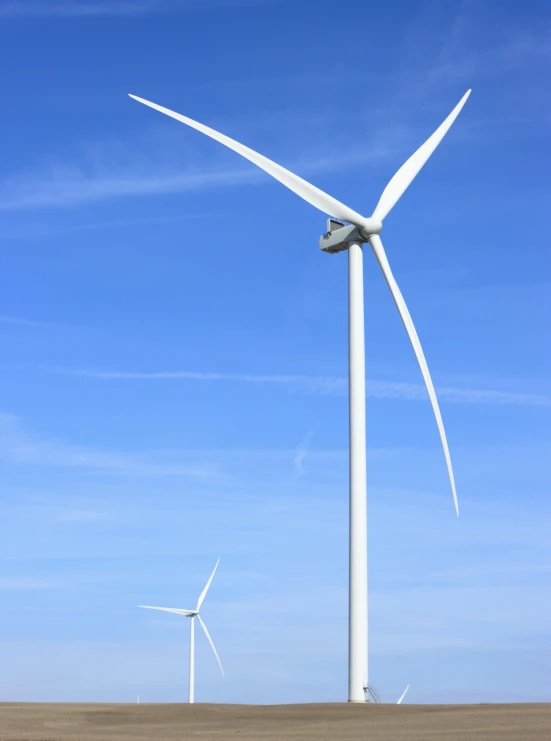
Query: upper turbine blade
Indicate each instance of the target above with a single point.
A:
(206, 589)
(402, 695)
(409, 169)
(377, 247)
(305, 190)
(168, 609)
(202, 624)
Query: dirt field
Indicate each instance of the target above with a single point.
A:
(335, 722)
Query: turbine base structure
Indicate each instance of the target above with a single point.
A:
(371, 695)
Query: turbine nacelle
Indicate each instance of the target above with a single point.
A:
(339, 236)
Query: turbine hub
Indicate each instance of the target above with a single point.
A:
(371, 227)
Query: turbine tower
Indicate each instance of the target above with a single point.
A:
(359, 231)
(192, 614)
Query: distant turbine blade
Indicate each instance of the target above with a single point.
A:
(305, 190)
(406, 173)
(168, 609)
(377, 247)
(206, 589)
(209, 639)
(402, 695)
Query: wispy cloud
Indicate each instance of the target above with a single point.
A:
(458, 60)
(514, 53)
(332, 385)
(64, 186)
(80, 8)
(20, 447)
(19, 583)
(94, 8)
(79, 516)
(70, 186)
(20, 322)
(37, 230)
(300, 453)
(164, 160)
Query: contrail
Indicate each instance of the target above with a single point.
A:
(323, 385)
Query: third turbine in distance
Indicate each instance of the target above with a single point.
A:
(361, 230)
(192, 614)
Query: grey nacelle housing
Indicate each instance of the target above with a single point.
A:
(339, 237)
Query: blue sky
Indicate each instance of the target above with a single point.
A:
(174, 349)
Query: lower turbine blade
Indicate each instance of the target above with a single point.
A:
(402, 695)
(209, 639)
(380, 254)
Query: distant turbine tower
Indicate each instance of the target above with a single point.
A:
(339, 237)
(192, 614)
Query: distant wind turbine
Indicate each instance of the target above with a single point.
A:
(192, 614)
(361, 230)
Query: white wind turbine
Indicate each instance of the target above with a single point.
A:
(362, 230)
(192, 614)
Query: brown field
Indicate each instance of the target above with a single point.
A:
(338, 722)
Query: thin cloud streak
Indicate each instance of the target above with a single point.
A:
(323, 385)
(104, 172)
(124, 8)
(19, 447)
(300, 453)
(22, 583)
(80, 9)
(20, 322)
(458, 61)
(45, 231)
(70, 187)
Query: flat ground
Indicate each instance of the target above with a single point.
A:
(338, 722)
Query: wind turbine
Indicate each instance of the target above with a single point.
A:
(361, 230)
(192, 614)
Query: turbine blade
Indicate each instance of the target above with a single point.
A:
(305, 190)
(206, 589)
(209, 639)
(402, 695)
(168, 609)
(406, 173)
(377, 247)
